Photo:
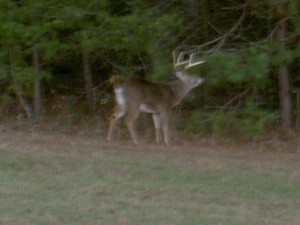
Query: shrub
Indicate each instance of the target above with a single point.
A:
(245, 122)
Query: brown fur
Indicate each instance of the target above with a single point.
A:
(134, 95)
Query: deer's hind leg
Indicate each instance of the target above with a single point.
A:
(157, 126)
(129, 120)
(165, 126)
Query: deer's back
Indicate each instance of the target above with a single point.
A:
(149, 95)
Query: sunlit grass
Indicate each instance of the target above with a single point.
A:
(78, 185)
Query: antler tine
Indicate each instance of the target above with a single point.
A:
(178, 61)
(191, 63)
(174, 58)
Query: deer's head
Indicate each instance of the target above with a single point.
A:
(192, 81)
(184, 61)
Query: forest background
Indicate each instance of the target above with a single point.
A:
(56, 57)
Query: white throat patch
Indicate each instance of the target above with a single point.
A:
(120, 98)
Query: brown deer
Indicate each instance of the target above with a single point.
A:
(134, 95)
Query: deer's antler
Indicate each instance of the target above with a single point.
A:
(180, 60)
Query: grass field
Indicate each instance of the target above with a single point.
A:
(56, 179)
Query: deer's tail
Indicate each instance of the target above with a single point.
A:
(115, 80)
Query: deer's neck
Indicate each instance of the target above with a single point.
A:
(180, 90)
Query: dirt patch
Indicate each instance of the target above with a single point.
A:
(11, 137)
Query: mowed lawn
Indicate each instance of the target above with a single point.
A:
(56, 182)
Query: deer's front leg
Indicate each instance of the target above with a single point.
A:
(111, 128)
(118, 112)
(157, 126)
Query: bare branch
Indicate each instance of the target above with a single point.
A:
(220, 41)
(237, 97)
(235, 26)
(272, 33)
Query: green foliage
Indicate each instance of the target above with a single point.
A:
(193, 124)
(137, 38)
(224, 67)
(288, 56)
(254, 120)
(5, 101)
(161, 68)
(245, 122)
(250, 66)
(257, 64)
(22, 79)
(223, 123)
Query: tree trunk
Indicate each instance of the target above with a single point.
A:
(26, 107)
(283, 76)
(16, 85)
(88, 84)
(37, 84)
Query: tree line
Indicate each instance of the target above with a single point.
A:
(68, 48)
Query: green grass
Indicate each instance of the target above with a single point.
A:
(63, 184)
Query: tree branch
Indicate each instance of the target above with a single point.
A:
(221, 40)
(235, 26)
(237, 97)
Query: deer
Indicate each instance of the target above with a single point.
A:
(133, 95)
